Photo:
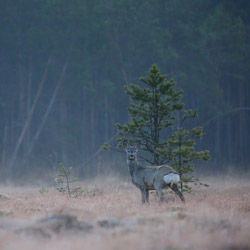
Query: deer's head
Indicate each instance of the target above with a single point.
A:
(131, 152)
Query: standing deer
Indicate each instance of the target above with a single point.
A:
(151, 178)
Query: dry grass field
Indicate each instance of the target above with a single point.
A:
(111, 217)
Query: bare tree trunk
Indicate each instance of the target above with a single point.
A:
(63, 119)
(28, 105)
(229, 130)
(39, 130)
(106, 119)
(21, 105)
(217, 151)
(25, 127)
(83, 147)
(5, 136)
(92, 133)
(117, 44)
(241, 127)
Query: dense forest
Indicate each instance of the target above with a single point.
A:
(64, 64)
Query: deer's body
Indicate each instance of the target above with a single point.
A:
(152, 178)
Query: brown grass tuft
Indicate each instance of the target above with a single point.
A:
(214, 218)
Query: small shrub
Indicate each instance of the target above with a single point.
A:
(65, 182)
(43, 190)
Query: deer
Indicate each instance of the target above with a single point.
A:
(150, 177)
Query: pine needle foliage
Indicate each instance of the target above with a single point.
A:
(157, 119)
(151, 111)
(65, 182)
(181, 151)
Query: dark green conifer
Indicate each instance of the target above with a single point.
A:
(157, 125)
(181, 151)
(151, 111)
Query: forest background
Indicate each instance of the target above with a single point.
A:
(64, 64)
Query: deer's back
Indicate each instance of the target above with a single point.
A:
(145, 177)
(165, 169)
(160, 173)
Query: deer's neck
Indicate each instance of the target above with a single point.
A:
(132, 165)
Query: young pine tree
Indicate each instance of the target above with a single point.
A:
(65, 182)
(151, 112)
(154, 110)
(181, 151)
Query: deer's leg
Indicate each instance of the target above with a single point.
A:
(158, 188)
(144, 195)
(159, 193)
(177, 191)
(147, 196)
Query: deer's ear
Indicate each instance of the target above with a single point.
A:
(137, 145)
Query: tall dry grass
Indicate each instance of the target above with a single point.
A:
(214, 218)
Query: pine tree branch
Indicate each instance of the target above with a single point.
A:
(145, 159)
(165, 162)
(183, 120)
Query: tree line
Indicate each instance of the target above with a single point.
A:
(64, 64)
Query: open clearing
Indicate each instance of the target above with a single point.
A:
(110, 216)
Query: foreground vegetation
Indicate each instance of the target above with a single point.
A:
(113, 218)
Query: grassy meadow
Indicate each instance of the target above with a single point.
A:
(109, 216)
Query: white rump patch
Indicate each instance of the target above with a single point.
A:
(171, 178)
